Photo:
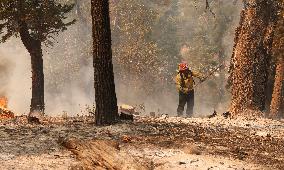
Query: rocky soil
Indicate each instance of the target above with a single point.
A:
(154, 142)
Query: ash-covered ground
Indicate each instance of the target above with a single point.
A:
(154, 142)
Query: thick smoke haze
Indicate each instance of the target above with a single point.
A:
(68, 65)
(15, 80)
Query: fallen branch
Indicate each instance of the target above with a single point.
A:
(101, 154)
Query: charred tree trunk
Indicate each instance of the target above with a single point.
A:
(37, 101)
(106, 101)
(251, 55)
(34, 48)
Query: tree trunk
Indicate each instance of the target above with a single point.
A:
(106, 101)
(277, 103)
(277, 97)
(37, 102)
(251, 55)
(34, 48)
(221, 58)
(270, 84)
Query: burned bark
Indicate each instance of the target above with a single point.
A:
(105, 96)
(251, 55)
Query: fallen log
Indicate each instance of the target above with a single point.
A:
(101, 155)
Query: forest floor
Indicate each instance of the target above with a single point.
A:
(154, 142)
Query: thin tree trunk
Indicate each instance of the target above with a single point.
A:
(270, 84)
(277, 98)
(34, 48)
(251, 56)
(221, 59)
(105, 96)
(277, 103)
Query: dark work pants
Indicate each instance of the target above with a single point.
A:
(186, 99)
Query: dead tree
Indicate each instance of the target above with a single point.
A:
(105, 96)
(251, 55)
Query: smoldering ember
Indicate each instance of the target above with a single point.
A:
(141, 84)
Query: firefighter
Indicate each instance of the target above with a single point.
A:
(185, 83)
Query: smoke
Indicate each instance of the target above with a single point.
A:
(185, 24)
(5, 64)
(15, 75)
(68, 75)
(68, 64)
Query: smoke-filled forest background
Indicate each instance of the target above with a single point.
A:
(150, 37)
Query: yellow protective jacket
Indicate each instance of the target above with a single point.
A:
(188, 83)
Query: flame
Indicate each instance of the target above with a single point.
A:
(3, 102)
(4, 112)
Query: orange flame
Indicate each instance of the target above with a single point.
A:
(3, 102)
(4, 112)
